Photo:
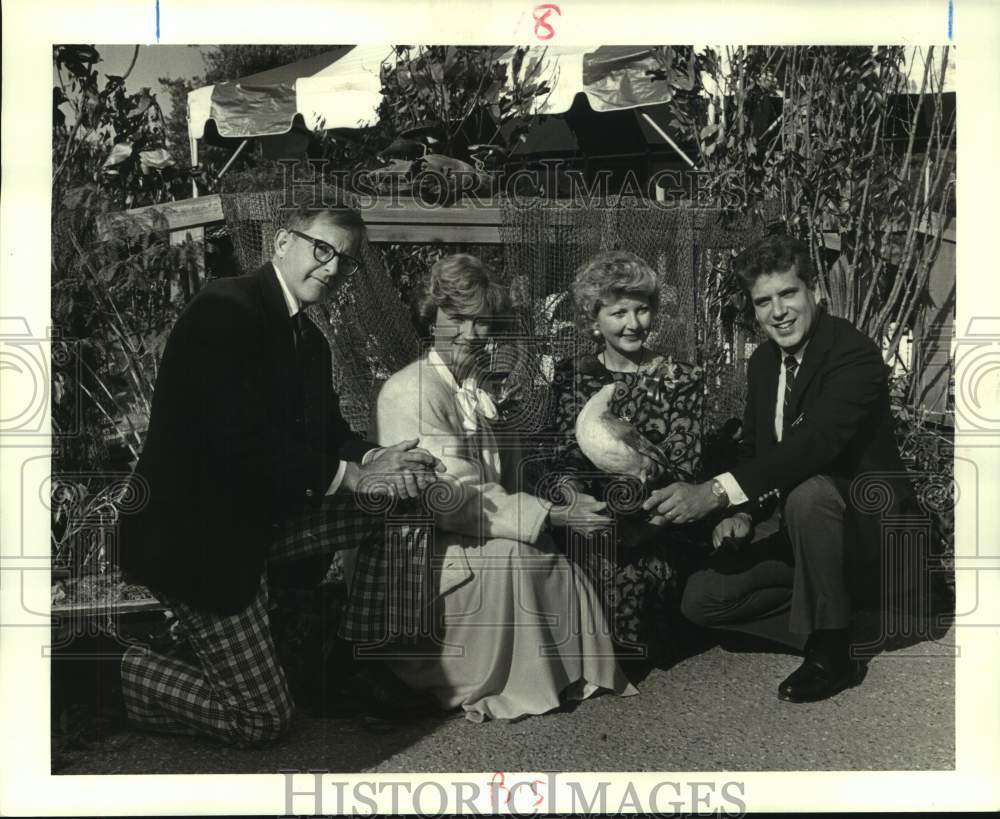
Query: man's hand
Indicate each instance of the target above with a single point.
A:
(681, 503)
(739, 527)
(582, 515)
(404, 466)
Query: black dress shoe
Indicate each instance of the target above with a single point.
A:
(818, 679)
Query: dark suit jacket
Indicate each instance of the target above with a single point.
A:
(841, 426)
(242, 430)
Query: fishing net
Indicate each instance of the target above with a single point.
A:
(689, 249)
(543, 242)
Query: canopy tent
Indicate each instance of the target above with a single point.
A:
(340, 88)
(612, 78)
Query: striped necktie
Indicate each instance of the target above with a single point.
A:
(791, 365)
(299, 332)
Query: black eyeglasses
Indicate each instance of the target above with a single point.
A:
(324, 252)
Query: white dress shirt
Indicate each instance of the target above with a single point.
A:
(293, 308)
(734, 491)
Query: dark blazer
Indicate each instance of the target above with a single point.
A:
(841, 424)
(242, 430)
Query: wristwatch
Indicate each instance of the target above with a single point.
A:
(720, 493)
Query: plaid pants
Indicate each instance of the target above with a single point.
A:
(234, 688)
(390, 588)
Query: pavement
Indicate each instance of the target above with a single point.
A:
(715, 711)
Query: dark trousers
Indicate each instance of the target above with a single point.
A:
(790, 581)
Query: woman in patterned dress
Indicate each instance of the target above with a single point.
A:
(638, 567)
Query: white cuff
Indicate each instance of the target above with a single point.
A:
(371, 455)
(733, 491)
(338, 479)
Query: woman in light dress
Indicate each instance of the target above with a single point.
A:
(517, 628)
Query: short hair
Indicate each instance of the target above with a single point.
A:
(775, 253)
(302, 216)
(459, 283)
(609, 276)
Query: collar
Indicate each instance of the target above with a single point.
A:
(291, 302)
(435, 360)
(798, 355)
(473, 403)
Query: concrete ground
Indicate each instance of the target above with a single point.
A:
(716, 711)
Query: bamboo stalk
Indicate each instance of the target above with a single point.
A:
(878, 264)
(916, 213)
(860, 227)
(135, 372)
(914, 287)
(114, 424)
(117, 406)
(916, 116)
(927, 258)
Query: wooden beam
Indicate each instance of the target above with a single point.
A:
(387, 221)
(434, 234)
(170, 216)
(484, 212)
(104, 608)
(398, 221)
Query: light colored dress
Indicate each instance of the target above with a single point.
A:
(518, 625)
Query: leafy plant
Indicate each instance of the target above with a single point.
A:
(927, 450)
(102, 135)
(461, 90)
(113, 299)
(829, 133)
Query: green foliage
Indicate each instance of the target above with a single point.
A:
(927, 450)
(462, 93)
(457, 88)
(103, 136)
(113, 299)
(826, 132)
(227, 63)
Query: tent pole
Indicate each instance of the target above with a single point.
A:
(194, 163)
(666, 136)
(236, 153)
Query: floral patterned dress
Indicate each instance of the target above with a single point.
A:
(641, 567)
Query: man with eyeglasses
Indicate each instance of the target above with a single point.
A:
(248, 461)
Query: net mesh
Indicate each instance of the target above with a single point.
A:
(371, 335)
(688, 248)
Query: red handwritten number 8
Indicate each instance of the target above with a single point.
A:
(542, 13)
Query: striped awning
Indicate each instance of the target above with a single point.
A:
(340, 88)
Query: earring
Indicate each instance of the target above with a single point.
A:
(595, 333)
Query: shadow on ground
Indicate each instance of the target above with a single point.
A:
(714, 709)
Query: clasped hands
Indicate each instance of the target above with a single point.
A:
(676, 503)
(687, 502)
(404, 470)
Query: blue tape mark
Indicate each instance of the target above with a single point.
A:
(158, 22)
(951, 17)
